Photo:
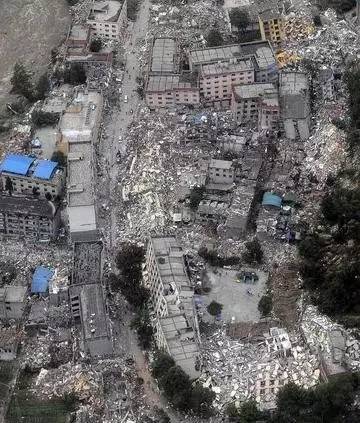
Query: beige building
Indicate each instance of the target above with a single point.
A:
(216, 79)
(171, 298)
(169, 91)
(108, 18)
(29, 175)
(271, 24)
(256, 104)
(222, 172)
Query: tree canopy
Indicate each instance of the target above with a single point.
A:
(239, 18)
(214, 38)
(21, 81)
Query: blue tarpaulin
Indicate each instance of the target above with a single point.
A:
(270, 199)
(41, 279)
(17, 163)
(44, 169)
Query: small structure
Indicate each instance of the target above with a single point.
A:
(222, 171)
(27, 175)
(108, 18)
(271, 200)
(12, 302)
(41, 279)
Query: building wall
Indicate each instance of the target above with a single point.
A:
(221, 176)
(216, 87)
(12, 310)
(157, 100)
(272, 30)
(25, 225)
(297, 128)
(110, 30)
(25, 185)
(268, 117)
(245, 110)
(7, 353)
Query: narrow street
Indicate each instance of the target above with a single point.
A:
(116, 129)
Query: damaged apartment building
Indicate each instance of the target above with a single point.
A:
(165, 85)
(172, 303)
(108, 18)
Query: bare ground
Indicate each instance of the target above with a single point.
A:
(29, 29)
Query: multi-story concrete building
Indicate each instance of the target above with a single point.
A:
(28, 175)
(222, 171)
(108, 18)
(165, 85)
(9, 343)
(295, 104)
(171, 298)
(216, 79)
(170, 90)
(79, 128)
(270, 21)
(28, 217)
(12, 302)
(257, 104)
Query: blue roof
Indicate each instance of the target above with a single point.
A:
(44, 169)
(270, 199)
(17, 163)
(40, 280)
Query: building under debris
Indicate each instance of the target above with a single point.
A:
(28, 217)
(171, 297)
(23, 174)
(295, 104)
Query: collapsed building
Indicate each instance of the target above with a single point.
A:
(79, 127)
(295, 104)
(172, 303)
(12, 302)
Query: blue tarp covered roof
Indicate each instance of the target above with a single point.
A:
(44, 169)
(41, 279)
(17, 163)
(270, 199)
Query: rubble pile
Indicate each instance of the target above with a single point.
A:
(239, 371)
(297, 28)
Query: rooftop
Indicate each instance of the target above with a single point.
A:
(79, 32)
(18, 164)
(94, 318)
(9, 337)
(254, 90)
(82, 221)
(214, 54)
(226, 67)
(13, 294)
(163, 55)
(41, 279)
(220, 164)
(105, 11)
(159, 83)
(26, 206)
(294, 95)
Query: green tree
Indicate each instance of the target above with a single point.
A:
(75, 74)
(214, 308)
(239, 19)
(9, 187)
(214, 38)
(265, 305)
(141, 323)
(59, 157)
(196, 195)
(96, 45)
(161, 364)
(253, 252)
(174, 381)
(42, 86)
(41, 118)
(200, 401)
(21, 81)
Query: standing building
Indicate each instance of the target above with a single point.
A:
(79, 128)
(222, 171)
(12, 302)
(28, 217)
(165, 85)
(28, 175)
(271, 24)
(295, 104)
(171, 298)
(257, 104)
(108, 18)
